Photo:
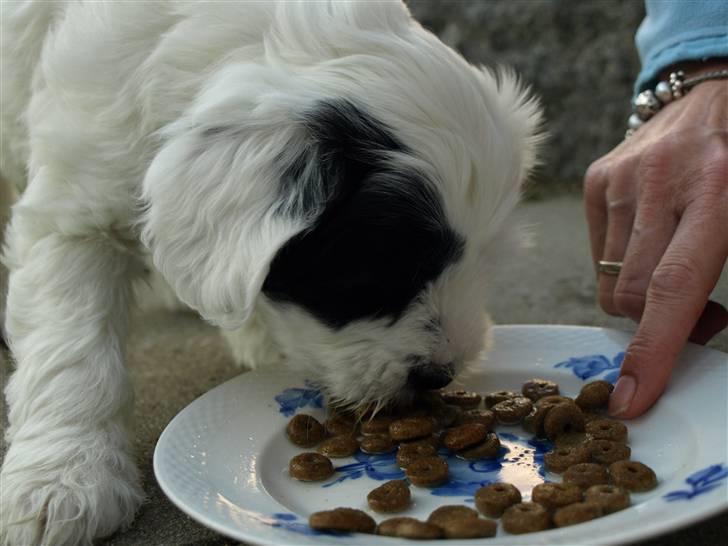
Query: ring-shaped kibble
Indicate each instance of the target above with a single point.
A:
(342, 519)
(487, 449)
(305, 431)
(451, 512)
(562, 419)
(555, 495)
(594, 395)
(310, 467)
(552, 400)
(377, 444)
(578, 512)
(494, 498)
(493, 398)
(608, 452)
(378, 424)
(409, 453)
(572, 439)
(344, 445)
(526, 517)
(404, 527)
(586, 474)
(513, 410)
(392, 496)
(538, 388)
(632, 476)
(607, 429)
(533, 422)
(463, 399)
(561, 458)
(411, 428)
(484, 417)
(427, 472)
(465, 436)
(446, 415)
(611, 498)
(337, 425)
(470, 528)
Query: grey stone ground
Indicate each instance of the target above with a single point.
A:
(174, 358)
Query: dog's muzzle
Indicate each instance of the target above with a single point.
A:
(430, 376)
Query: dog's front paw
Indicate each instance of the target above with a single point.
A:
(65, 494)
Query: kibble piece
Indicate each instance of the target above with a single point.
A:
(342, 519)
(594, 395)
(376, 425)
(339, 424)
(376, 444)
(590, 416)
(572, 439)
(411, 428)
(611, 498)
(607, 429)
(633, 476)
(465, 436)
(433, 440)
(451, 512)
(409, 453)
(578, 512)
(526, 517)
(553, 400)
(513, 410)
(538, 388)
(469, 528)
(305, 431)
(562, 419)
(533, 422)
(487, 449)
(392, 496)
(561, 458)
(409, 528)
(556, 495)
(446, 415)
(484, 417)
(427, 472)
(310, 467)
(493, 499)
(493, 398)
(463, 399)
(608, 452)
(586, 474)
(339, 446)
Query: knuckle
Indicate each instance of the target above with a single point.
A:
(595, 182)
(629, 300)
(670, 278)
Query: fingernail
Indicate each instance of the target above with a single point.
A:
(621, 397)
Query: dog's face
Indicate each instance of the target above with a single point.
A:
(355, 202)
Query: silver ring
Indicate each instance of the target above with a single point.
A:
(609, 268)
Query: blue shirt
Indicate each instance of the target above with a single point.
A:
(680, 30)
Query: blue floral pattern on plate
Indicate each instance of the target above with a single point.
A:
(700, 482)
(287, 521)
(588, 366)
(291, 400)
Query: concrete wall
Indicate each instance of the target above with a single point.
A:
(578, 55)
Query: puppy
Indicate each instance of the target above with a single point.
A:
(326, 179)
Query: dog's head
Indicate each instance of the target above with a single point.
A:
(351, 185)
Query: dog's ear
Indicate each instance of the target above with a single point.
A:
(217, 203)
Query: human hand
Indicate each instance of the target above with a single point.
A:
(658, 202)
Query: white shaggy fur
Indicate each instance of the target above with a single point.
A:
(103, 105)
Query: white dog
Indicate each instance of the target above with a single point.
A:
(327, 178)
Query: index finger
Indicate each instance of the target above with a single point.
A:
(676, 297)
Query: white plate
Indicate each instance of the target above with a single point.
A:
(223, 460)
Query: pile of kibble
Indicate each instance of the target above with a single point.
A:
(590, 452)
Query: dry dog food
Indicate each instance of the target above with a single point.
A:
(513, 410)
(487, 449)
(607, 429)
(463, 399)
(538, 388)
(484, 417)
(376, 425)
(493, 499)
(344, 445)
(556, 495)
(533, 422)
(403, 527)
(561, 419)
(586, 474)
(411, 428)
(578, 512)
(469, 528)
(310, 467)
(339, 424)
(464, 436)
(409, 453)
(375, 444)
(393, 496)
(632, 476)
(561, 458)
(493, 398)
(305, 431)
(594, 395)
(607, 452)
(444, 514)
(610, 498)
(342, 519)
(526, 517)
(427, 472)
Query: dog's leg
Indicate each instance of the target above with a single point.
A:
(252, 346)
(68, 475)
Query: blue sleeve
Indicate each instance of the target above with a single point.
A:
(680, 30)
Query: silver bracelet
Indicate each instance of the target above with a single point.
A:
(648, 103)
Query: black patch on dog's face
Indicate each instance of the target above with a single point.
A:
(381, 236)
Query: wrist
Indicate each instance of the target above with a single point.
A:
(692, 69)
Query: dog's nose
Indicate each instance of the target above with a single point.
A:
(430, 376)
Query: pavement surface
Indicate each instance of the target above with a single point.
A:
(175, 357)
